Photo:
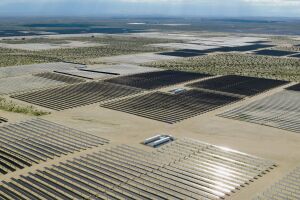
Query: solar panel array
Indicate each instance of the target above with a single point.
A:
(60, 77)
(3, 120)
(76, 95)
(281, 110)
(296, 56)
(35, 68)
(259, 42)
(26, 83)
(155, 80)
(92, 75)
(170, 108)
(250, 47)
(294, 87)
(187, 169)
(241, 85)
(122, 69)
(287, 188)
(26, 143)
(271, 52)
(185, 53)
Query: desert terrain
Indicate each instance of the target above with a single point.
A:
(92, 84)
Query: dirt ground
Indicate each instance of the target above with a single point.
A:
(49, 46)
(269, 143)
(277, 145)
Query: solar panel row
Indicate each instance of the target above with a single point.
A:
(294, 87)
(187, 169)
(286, 188)
(3, 120)
(241, 85)
(281, 110)
(185, 53)
(76, 95)
(26, 143)
(170, 108)
(155, 80)
(60, 77)
(271, 52)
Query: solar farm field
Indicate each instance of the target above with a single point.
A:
(155, 80)
(32, 142)
(239, 85)
(282, 188)
(170, 108)
(237, 64)
(152, 115)
(296, 56)
(127, 172)
(185, 53)
(59, 77)
(250, 47)
(2, 120)
(26, 83)
(76, 95)
(280, 110)
(269, 52)
(294, 87)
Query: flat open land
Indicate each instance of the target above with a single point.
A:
(48, 46)
(73, 121)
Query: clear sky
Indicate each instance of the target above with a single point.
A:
(180, 8)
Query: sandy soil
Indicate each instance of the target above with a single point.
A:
(134, 59)
(266, 142)
(185, 46)
(49, 46)
(122, 69)
(270, 143)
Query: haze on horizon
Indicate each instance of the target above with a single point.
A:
(176, 8)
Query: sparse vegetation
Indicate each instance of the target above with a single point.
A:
(10, 57)
(240, 64)
(34, 41)
(10, 106)
(115, 46)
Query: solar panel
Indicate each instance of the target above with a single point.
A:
(155, 80)
(251, 47)
(186, 169)
(270, 52)
(294, 87)
(183, 53)
(34, 141)
(286, 188)
(295, 56)
(281, 110)
(3, 120)
(60, 77)
(76, 95)
(170, 108)
(240, 85)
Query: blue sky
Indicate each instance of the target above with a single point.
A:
(231, 8)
